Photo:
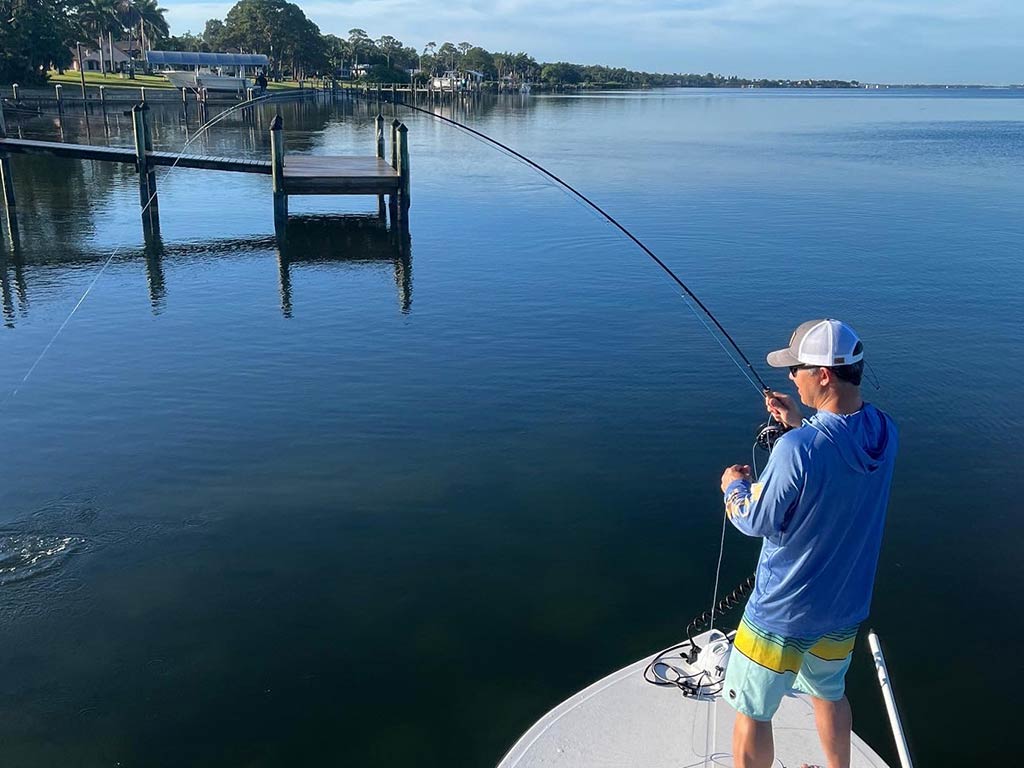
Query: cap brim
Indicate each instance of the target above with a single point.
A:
(781, 358)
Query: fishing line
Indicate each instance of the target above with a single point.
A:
(199, 132)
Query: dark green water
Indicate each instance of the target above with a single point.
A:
(339, 503)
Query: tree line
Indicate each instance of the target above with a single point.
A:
(38, 34)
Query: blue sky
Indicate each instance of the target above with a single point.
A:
(974, 41)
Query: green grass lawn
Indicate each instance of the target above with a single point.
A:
(111, 81)
(116, 81)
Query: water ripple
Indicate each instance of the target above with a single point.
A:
(25, 556)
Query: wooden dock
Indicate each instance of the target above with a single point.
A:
(290, 174)
(128, 156)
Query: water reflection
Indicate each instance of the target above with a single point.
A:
(359, 239)
(14, 302)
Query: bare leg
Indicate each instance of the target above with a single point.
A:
(752, 744)
(835, 723)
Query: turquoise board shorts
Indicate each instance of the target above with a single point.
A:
(764, 667)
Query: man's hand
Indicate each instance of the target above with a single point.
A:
(735, 472)
(784, 409)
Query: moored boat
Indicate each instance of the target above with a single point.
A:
(213, 71)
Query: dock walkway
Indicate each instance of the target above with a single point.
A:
(127, 155)
(291, 174)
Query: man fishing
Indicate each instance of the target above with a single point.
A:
(820, 507)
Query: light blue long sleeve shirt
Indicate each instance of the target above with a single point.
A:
(820, 507)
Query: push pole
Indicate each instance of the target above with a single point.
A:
(890, 702)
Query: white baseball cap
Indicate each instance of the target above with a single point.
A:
(819, 342)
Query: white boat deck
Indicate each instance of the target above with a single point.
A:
(625, 722)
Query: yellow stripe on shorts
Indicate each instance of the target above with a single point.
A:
(771, 651)
(835, 647)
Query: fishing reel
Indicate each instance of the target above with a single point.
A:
(769, 433)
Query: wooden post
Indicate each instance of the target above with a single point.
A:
(378, 124)
(277, 170)
(139, 129)
(394, 143)
(59, 90)
(17, 96)
(81, 71)
(103, 98)
(147, 134)
(6, 179)
(403, 167)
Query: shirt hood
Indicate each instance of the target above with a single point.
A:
(866, 439)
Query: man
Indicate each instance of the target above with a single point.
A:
(820, 508)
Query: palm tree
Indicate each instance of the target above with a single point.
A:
(128, 16)
(96, 18)
(151, 16)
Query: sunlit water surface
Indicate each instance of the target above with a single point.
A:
(354, 501)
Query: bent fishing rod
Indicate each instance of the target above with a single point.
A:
(766, 436)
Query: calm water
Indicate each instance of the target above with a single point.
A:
(330, 502)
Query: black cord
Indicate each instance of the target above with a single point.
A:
(722, 607)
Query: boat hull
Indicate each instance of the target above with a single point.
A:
(192, 81)
(622, 720)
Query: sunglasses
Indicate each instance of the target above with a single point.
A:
(794, 368)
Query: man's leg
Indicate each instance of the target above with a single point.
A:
(761, 669)
(752, 744)
(835, 723)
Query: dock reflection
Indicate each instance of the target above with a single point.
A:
(13, 299)
(311, 240)
(350, 239)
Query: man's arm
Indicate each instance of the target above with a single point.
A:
(763, 508)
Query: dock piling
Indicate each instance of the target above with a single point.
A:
(147, 134)
(394, 143)
(139, 129)
(7, 184)
(403, 168)
(277, 171)
(6, 179)
(378, 124)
